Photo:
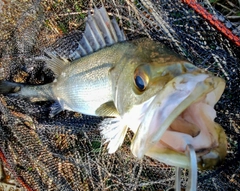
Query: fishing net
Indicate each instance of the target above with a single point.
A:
(66, 152)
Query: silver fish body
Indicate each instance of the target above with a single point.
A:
(84, 85)
(164, 99)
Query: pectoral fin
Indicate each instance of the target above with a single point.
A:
(107, 109)
(55, 109)
(114, 131)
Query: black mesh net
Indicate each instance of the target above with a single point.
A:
(66, 152)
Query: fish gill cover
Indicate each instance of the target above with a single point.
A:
(66, 152)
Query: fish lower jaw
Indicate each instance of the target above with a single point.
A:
(196, 126)
(207, 158)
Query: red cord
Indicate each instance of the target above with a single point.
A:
(19, 179)
(210, 18)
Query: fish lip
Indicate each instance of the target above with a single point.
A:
(192, 92)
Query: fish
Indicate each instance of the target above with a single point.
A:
(141, 85)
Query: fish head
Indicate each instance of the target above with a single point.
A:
(169, 103)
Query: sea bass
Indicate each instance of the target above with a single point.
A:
(163, 98)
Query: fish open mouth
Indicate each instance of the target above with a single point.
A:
(180, 114)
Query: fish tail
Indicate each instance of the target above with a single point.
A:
(9, 87)
(34, 92)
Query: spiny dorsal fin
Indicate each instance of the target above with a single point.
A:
(99, 32)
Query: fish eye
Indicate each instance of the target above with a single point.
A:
(140, 79)
(139, 82)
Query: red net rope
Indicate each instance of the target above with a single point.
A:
(214, 22)
(19, 179)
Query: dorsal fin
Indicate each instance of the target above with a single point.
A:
(99, 32)
(55, 63)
